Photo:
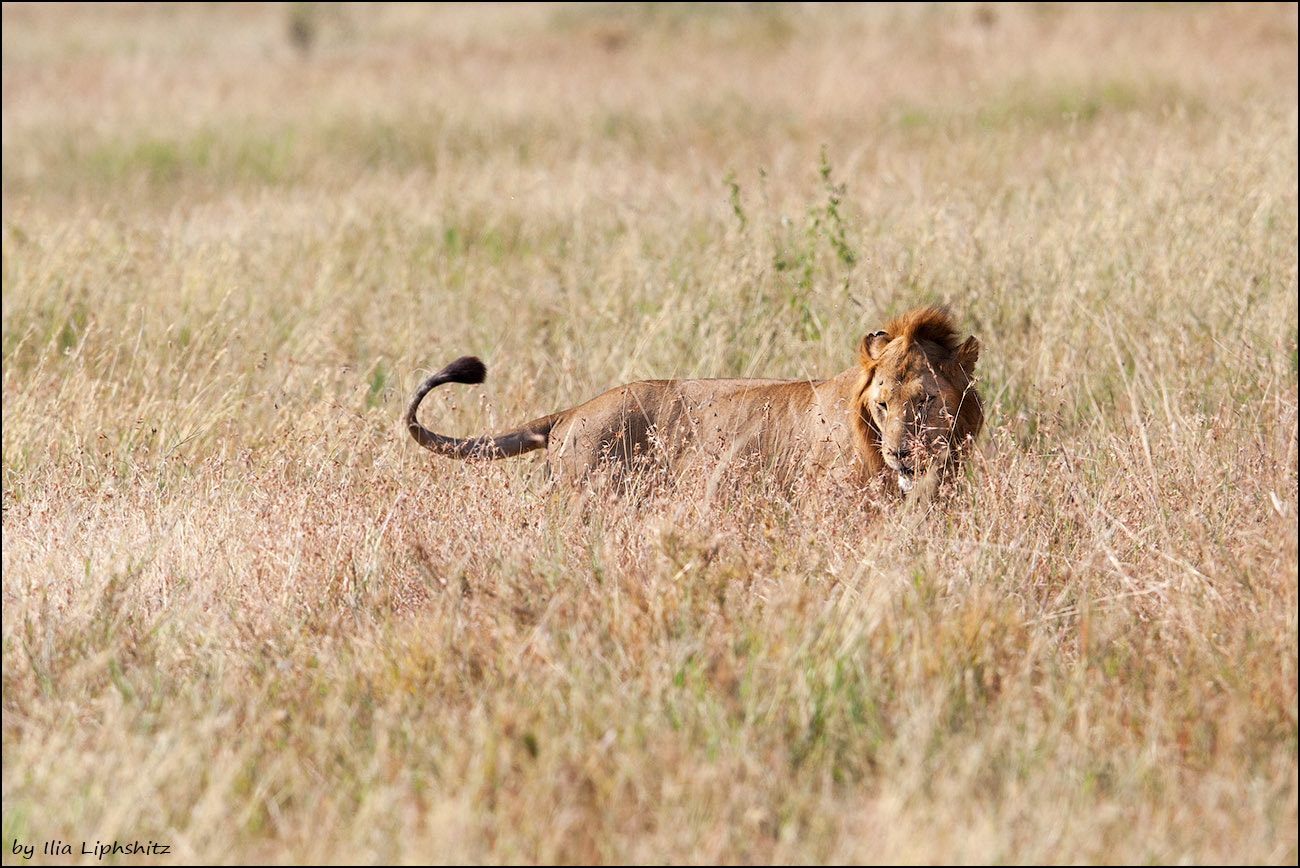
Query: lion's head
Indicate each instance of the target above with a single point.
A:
(918, 408)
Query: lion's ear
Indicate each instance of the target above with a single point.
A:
(873, 345)
(968, 354)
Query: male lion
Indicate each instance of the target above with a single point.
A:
(907, 408)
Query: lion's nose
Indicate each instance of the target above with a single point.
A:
(898, 453)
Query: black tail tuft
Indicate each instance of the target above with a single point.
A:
(466, 369)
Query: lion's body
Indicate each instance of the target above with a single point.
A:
(789, 427)
(781, 424)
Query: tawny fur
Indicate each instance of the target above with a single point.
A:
(873, 419)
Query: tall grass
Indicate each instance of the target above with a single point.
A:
(246, 617)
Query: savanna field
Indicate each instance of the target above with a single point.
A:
(248, 619)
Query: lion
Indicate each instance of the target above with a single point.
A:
(907, 409)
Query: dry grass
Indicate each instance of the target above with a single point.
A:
(246, 617)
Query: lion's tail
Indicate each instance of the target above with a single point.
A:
(469, 369)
